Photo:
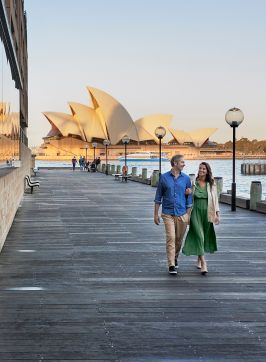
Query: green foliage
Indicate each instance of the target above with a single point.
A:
(246, 146)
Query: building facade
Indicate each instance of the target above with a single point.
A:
(13, 79)
(15, 156)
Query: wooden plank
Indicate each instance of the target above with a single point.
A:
(84, 277)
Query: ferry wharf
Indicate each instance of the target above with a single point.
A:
(84, 278)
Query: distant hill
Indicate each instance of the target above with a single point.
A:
(244, 145)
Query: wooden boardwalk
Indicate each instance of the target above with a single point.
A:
(84, 278)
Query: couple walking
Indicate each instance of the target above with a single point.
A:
(183, 204)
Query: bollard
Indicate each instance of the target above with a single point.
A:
(155, 178)
(118, 169)
(108, 168)
(144, 174)
(243, 168)
(192, 177)
(219, 185)
(134, 171)
(103, 168)
(112, 169)
(251, 169)
(255, 194)
(257, 168)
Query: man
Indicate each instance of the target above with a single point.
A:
(74, 161)
(176, 208)
(80, 163)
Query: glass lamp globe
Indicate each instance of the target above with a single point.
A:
(234, 117)
(86, 146)
(160, 132)
(106, 142)
(94, 144)
(125, 139)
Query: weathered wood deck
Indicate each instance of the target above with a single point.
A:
(84, 278)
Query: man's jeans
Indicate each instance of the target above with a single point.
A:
(175, 230)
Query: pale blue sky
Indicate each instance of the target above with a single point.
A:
(191, 58)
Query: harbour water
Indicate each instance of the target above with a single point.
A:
(222, 168)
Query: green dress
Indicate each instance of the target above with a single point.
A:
(201, 236)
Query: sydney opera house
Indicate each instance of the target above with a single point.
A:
(74, 132)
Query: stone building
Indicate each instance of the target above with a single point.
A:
(15, 156)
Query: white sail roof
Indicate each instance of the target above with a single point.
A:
(198, 136)
(65, 123)
(88, 121)
(116, 118)
(146, 125)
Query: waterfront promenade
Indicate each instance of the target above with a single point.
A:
(84, 278)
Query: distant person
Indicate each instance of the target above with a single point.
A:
(74, 162)
(88, 166)
(93, 166)
(176, 208)
(98, 162)
(201, 236)
(81, 163)
(124, 170)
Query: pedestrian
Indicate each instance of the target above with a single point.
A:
(201, 236)
(74, 162)
(93, 166)
(83, 163)
(176, 206)
(98, 162)
(88, 166)
(80, 163)
(124, 170)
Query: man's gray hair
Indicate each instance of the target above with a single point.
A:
(176, 158)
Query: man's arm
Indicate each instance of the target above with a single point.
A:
(156, 214)
(158, 201)
(189, 199)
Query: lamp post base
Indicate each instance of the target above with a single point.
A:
(233, 198)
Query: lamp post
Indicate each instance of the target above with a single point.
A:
(86, 151)
(94, 145)
(160, 132)
(234, 117)
(86, 148)
(106, 143)
(125, 140)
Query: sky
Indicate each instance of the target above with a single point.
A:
(193, 59)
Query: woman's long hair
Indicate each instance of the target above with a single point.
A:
(209, 177)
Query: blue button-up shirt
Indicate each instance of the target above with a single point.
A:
(171, 193)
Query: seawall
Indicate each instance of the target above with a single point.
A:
(11, 191)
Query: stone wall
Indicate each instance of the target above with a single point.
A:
(11, 192)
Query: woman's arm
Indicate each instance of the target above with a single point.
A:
(216, 204)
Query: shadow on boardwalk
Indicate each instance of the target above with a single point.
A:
(94, 268)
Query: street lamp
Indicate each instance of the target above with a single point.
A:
(94, 145)
(234, 117)
(106, 143)
(160, 132)
(86, 148)
(125, 140)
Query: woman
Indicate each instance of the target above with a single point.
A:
(201, 236)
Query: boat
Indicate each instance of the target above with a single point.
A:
(144, 156)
